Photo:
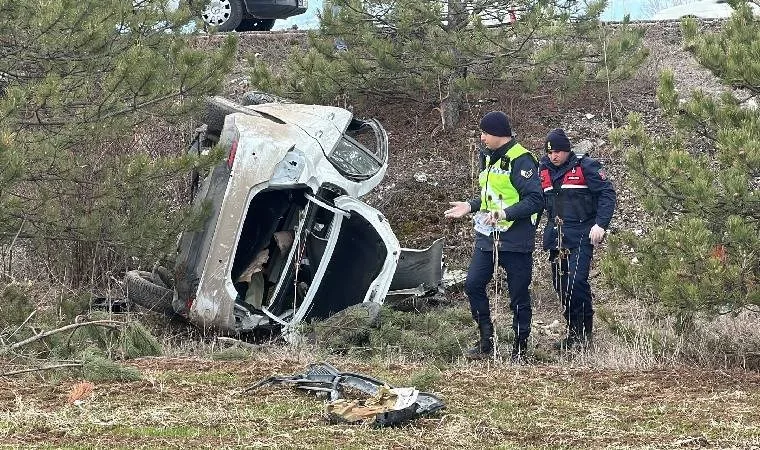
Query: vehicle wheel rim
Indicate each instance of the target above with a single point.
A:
(217, 12)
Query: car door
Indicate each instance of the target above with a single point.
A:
(357, 265)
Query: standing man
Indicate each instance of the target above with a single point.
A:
(580, 201)
(505, 228)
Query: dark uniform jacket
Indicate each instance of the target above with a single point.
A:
(521, 236)
(579, 193)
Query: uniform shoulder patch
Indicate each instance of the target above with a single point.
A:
(527, 173)
(602, 174)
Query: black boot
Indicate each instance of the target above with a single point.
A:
(519, 350)
(574, 337)
(484, 347)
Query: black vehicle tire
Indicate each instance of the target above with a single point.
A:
(217, 108)
(144, 291)
(225, 15)
(255, 24)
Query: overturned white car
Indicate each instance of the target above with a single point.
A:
(286, 237)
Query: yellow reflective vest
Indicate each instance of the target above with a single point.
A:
(496, 190)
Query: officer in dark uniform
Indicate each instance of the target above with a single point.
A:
(505, 220)
(580, 201)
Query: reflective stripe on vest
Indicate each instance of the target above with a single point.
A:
(573, 179)
(496, 190)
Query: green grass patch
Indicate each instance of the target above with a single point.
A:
(488, 405)
(438, 334)
(97, 368)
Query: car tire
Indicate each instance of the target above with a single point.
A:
(217, 108)
(255, 24)
(142, 289)
(225, 15)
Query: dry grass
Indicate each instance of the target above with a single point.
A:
(191, 402)
(631, 391)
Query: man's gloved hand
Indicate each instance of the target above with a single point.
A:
(457, 210)
(495, 216)
(596, 234)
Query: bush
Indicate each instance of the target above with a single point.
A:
(97, 368)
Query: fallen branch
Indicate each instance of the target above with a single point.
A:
(34, 311)
(73, 326)
(39, 369)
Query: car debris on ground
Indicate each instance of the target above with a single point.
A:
(382, 405)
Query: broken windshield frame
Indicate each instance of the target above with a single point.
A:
(352, 159)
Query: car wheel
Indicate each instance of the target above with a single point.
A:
(255, 25)
(143, 290)
(225, 15)
(217, 108)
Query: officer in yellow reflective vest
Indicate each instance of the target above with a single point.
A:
(505, 217)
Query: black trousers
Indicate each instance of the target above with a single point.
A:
(570, 279)
(519, 267)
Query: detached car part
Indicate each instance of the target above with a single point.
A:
(326, 379)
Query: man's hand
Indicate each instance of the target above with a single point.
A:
(457, 210)
(495, 216)
(596, 234)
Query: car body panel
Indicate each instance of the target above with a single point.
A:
(308, 118)
(275, 9)
(419, 270)
(379, 286)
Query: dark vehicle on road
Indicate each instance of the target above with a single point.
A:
(249, 15)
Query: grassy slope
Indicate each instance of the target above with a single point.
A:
(194, 403)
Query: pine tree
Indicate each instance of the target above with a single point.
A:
(85, 87)
(703, 257)
(437, 51)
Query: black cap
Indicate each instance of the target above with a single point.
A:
(496, 123)
(557, 141)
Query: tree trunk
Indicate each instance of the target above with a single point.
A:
(451, 95)
(450, 104)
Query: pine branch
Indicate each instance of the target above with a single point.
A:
(40, 369)
(655, 182)
(73, 326)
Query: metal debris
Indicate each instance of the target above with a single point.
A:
(383, 406)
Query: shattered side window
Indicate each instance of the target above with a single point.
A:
(353, 160)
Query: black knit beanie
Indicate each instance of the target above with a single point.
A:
(496, 123)
(557, 141)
